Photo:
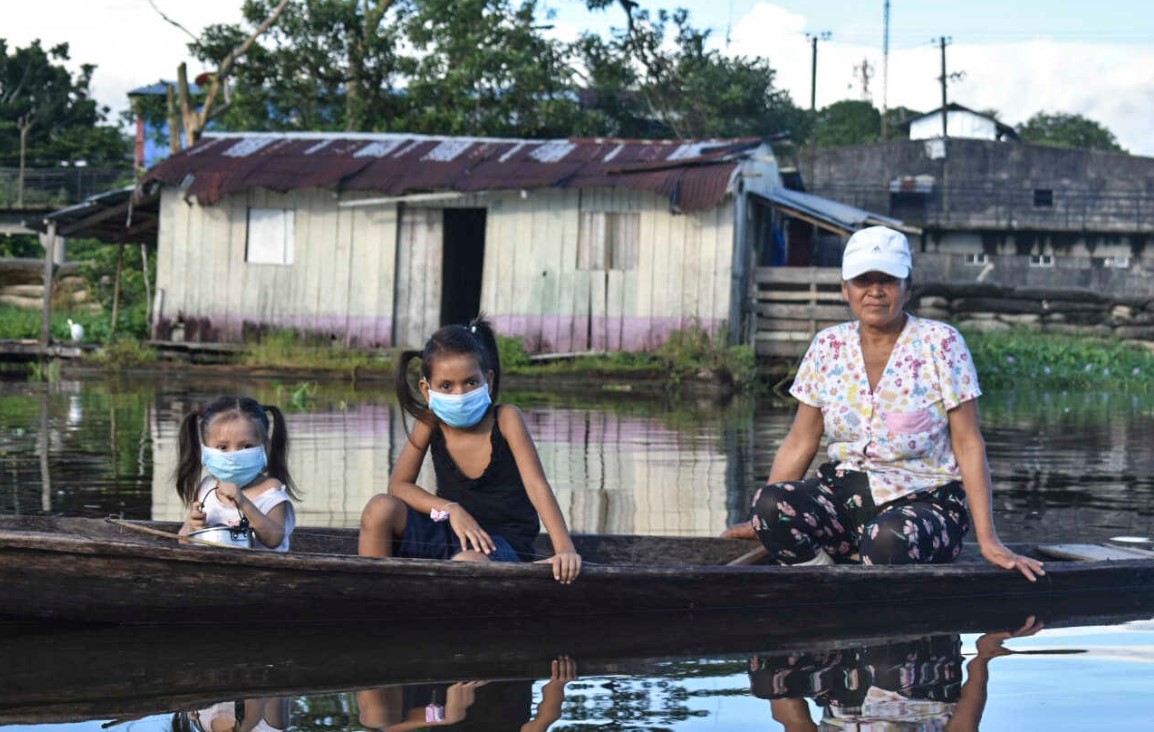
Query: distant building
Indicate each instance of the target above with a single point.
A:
(961, 123)
(151, 143)
(981, 197)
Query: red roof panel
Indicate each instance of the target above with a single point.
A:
(694, 174)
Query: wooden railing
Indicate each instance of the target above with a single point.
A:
(791, 304)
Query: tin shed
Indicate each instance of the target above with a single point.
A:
(377, 239)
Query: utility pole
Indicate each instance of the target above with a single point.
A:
(813, 39)
(944, 78)
(885, 70)
(944, 41)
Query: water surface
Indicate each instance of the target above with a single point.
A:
(1066, 467)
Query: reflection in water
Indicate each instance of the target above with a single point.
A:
(1058, 678)
(1069, 467)
(247, 715)
(913, 684)
(468, 705)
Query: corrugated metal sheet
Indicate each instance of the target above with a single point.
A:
(840, 216)
(116, 216)
(695, 175)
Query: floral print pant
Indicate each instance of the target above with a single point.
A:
(836, 513)
(928, 668)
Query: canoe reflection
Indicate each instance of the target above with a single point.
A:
(913, 684)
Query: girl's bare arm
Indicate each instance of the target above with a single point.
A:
(566, 562)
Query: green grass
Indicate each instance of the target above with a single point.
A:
(285, 349)
(18, 323)
(688, 353)
(1050, 361)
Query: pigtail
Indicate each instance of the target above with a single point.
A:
(482, 330)
(187, 476)
(278, 450)
(406, 396)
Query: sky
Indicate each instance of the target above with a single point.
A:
(1019, 57)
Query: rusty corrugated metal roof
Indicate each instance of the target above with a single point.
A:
(694, 174)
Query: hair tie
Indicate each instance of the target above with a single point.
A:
(473, 329)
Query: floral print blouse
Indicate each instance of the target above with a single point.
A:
(898, 435)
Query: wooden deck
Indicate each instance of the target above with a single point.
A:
(19, 351)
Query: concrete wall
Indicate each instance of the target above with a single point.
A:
(1085, 273)
(1098, 203)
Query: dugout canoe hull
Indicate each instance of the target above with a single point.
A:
(88, 570)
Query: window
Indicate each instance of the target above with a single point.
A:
(608, 241)
(1041, 260)
(977, 260)
(270, 236)
(1043, 197)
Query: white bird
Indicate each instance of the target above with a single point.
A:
(76, 330)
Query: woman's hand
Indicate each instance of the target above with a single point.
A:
(743, 530)
(566, 566)
(997, 554)
(990, 644)
(468, 531)
(563, 670)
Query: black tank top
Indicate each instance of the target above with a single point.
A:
(497, 499)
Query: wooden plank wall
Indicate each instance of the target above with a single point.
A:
(791, 304)
(339, 286)
(420, 249)
(343, 283)
(534, 289)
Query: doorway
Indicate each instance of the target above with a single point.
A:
(463, 260)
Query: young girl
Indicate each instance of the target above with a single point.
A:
(243, 458)
(492, 495)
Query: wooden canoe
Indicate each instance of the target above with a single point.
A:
(90, 570)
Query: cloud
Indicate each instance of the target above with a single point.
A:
(1109, 83)
(128, 41)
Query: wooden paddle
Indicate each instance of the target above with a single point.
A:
(750, 557)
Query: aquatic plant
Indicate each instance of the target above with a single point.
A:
(1053, 361)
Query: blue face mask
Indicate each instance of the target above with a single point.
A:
(460, 410)
(238, 468)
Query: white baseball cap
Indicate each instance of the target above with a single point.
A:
(876, 249)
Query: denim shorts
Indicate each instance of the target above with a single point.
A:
(425, 538)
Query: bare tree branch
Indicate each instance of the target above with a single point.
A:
(172, 22)
(196, 121)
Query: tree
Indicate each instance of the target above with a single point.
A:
(686, 88)
(1068, 130)
(848, 122)
(895, 118)
(483, 67)
(195, 113)
(48, 114)
(326, 65)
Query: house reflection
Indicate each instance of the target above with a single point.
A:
(612, 473)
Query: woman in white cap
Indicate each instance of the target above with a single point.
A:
(896, 397)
